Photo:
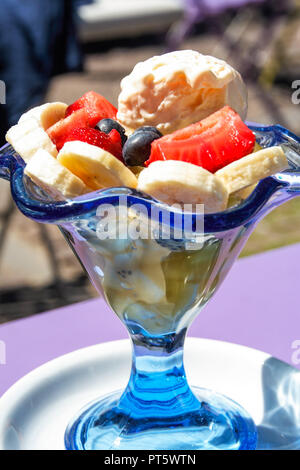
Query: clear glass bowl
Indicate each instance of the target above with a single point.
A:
(157, 286)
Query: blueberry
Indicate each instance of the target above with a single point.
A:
(149, 129)
(138, 147)
(106, 125)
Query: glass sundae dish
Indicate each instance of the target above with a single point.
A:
(157, 277)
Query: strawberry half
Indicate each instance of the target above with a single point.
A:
(110, 142)
(61, 129)
(211, 143)
(96, 106)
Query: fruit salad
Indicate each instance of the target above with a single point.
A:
(178, 135)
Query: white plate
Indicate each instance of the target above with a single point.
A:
(35, 411)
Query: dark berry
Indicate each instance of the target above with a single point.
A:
(149, 129)
(138, 147)
(106, 125)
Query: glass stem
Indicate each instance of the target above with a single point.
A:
(158, 384)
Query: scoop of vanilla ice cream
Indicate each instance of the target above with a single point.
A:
(176, 89)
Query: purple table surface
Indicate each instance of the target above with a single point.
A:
(257, 306)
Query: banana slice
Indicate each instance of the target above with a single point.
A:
(252, 168)
(27, 139)
(20, 130)
(96, 167)
(54, 178)
(28, 136)
(46, 114)
(184, 183)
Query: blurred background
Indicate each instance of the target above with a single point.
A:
(56, 50)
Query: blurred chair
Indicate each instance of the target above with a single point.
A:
(267, 14)
(209, 11)
(283, 63)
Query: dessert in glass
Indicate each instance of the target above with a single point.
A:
(156, 199)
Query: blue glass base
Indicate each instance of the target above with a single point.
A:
(218, 424)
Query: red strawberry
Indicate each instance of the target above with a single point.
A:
(116, 138)
(110, 143)
(59, 131)
(211, 143)
(96, 105)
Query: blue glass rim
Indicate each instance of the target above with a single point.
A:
(12, 168)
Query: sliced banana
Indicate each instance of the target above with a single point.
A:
(252, 168)
(96, 167)
(29, 135)
(140, 275)
(19, 131)
(27, 139)
(47, 114)
(54, 178)
(180, 182)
